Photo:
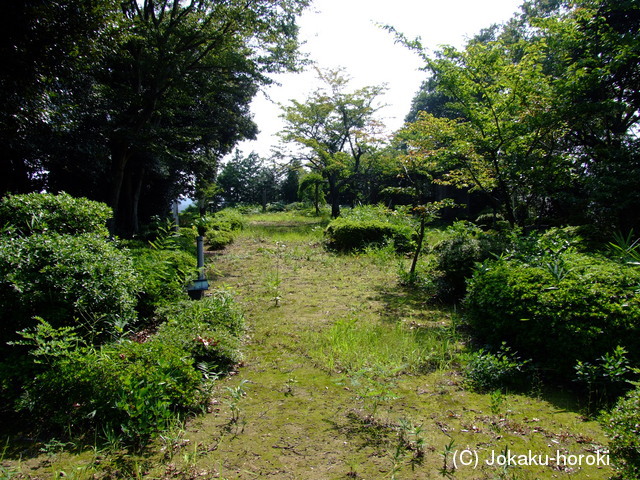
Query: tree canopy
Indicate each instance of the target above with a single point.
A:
(147, 104)
(540, 114)
(336, 131)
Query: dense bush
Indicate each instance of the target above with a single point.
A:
(228, 219)
(68, 299)
(623, 429)
(558, 311)
(221, 228)
(455, 258)
(43, 212)
(67, 280)
(488, 371)
(132, 389)
(163, 277)
(129, 388)
(209, 330)
(370, 225)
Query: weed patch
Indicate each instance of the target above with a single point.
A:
(350, 345)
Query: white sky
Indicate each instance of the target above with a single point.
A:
(343, 33)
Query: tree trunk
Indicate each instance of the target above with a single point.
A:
(119, 158)
(335, 196)
(135, 221)
(414, 262)
(316, 198)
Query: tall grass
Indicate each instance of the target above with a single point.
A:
(286, 227)
(349, 346)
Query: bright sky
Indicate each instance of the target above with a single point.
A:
(343, 33)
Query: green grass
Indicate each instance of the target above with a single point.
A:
(350, 345)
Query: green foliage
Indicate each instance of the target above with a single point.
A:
(487, 371)
(163, 276)
(623, 429)
(128, 388)
(337, 131)
(209, 330)
(370, 225)
(351, 345)
(230, 217)
(347, 235)
(249, 180)
(218, 239)
(625, 248)
(456, 256)
(69, 280)
(607, 377)
(46, 213)
(165, 235)
(557, 316)
(221, 228)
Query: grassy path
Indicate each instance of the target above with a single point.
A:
(345, 375)
(332, 388)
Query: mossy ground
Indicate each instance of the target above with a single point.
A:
(314, 400)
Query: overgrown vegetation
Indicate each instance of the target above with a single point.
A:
(100, 340)
(523, 144)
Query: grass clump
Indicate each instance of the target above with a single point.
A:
(349, 345)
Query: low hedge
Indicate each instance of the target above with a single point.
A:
(44, 212)
(576, 307)
(623, 428)
(67, 280)
(345, 234)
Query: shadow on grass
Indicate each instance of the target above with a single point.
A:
(414, 305)
(418, 310)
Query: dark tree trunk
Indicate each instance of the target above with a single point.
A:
(414, 262)
(335, 196)
(316, 198)
(119, 158)
(135, 220)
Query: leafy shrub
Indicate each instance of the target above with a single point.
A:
(221, 228)
(208, 329)
(228, 219)
(218, 239)
(487, 371)
(623, 429)
(456, 256)
(163, 277)
(43, 212)
(607, 377)
(67, 280)
(370, 225)
(276, 207)
(185, 239)
(347, 235)
(132, 389)
(129, 388)
(574, 308)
